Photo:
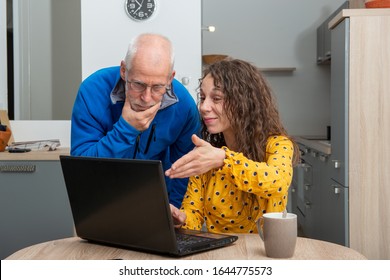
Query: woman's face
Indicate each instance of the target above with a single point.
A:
(211, 107)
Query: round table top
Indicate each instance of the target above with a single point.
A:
(248, 247)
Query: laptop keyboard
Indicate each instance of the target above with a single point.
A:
(189, 240)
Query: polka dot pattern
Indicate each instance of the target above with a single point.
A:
(232, 198)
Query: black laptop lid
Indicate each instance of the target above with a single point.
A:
(108, 205)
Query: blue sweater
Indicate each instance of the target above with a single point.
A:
(99, 130)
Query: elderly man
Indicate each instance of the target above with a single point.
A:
(137, 110)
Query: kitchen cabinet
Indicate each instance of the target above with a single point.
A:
(319, 202)
(360, 120)
(292, 194)
(339, 102)
(324, 37)
(301, 203)
(321, 43)
(33, 201)
(334, 225)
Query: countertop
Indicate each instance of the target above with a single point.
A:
(315, 142)
(35, 155)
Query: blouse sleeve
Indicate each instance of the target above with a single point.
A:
(269, 179)
(193, 204)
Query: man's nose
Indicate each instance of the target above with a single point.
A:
(147, 94)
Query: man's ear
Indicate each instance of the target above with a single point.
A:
(123, 70)
(172, 76)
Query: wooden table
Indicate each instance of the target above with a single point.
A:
(247, 247)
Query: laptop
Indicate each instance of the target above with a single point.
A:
(124, 203)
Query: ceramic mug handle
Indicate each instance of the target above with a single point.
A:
(260, 228)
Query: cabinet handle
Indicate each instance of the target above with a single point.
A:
(323, 158)
(306, 167)
(17, 168)
(307, 187)
(293, 190)
(337, 164)
(336, 189)
(307, 205)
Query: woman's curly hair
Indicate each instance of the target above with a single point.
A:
(248, 105)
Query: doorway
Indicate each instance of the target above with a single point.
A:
(10, 60)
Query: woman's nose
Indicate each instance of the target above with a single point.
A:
(205, 106)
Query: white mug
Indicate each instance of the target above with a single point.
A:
(279, 234)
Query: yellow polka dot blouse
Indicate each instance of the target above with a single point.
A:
(230, 199)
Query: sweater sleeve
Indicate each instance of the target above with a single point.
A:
(97, 127)
(90, 135)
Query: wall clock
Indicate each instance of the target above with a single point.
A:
(140, 10)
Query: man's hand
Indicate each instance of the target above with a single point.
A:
(138, 117)
(178, 217)
(200, 160)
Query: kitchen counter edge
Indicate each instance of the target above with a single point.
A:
(35, 155)
(317, 145)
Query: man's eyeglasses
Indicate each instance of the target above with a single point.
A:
(156, 90)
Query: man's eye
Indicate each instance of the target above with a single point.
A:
(138, 84)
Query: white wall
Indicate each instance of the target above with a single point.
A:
(48, 45)
(107, 31)
(278, 33)
(268, 33)
(42, 130)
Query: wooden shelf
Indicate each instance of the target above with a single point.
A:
(277, 69)
(211, 58)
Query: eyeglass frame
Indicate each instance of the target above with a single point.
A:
(145, 86)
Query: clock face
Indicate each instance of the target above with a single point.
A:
(140, 9)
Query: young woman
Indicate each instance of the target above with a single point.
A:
(243, 167)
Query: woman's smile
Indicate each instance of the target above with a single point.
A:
(209, 121)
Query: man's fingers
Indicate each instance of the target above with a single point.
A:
(153, 110)
(142, 119)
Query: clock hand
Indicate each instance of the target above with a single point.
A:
(140, 6)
